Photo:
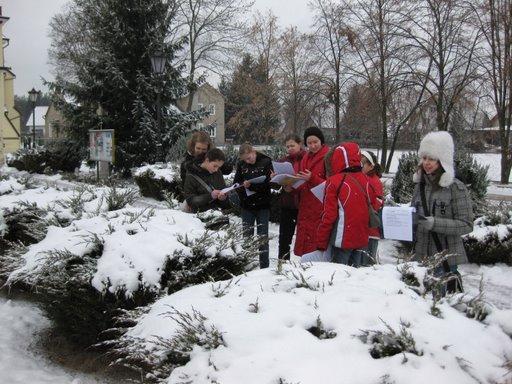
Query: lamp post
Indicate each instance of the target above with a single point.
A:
(32, 96)
(158, 65)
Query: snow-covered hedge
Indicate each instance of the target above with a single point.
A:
(159, 181)
(114, 256)
(491, 240)
(324, 323)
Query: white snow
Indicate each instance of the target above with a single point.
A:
(166, 171)
(20, 325)
(274, 343)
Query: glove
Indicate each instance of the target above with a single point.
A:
(426, 223)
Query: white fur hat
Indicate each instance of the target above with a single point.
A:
(439, 145)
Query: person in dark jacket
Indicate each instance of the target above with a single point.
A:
(255, 197)
(289, 202)
(198, 144)
(204, 182)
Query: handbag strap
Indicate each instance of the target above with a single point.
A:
(362, 190)
(426, 211)
(201, 181)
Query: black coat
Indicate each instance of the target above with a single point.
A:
(196, 195)
(187, 162)
(262, 167)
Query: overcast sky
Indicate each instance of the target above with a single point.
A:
(27, 30)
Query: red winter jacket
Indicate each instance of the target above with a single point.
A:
(378, 190)
(310, 208)
(290, 200)
(345, 213)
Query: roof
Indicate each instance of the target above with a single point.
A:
(40, 116)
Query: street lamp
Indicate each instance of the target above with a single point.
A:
(32, 96)
(158, 65)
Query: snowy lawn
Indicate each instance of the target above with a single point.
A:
(264, 318)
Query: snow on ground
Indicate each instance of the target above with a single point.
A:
(20, 325)
(268, 344)
(264, 318)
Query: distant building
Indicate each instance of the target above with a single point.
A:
(38, 123)
(54, 124)
(211, 99)
(10, 134)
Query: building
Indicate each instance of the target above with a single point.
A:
(10, 135)
(211, 99)
(54, 124)
(38, 123)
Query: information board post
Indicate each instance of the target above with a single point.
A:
(102, 149)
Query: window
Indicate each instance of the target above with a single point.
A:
(200, 106)
(213, 130)
(211, 109)
(200, 126)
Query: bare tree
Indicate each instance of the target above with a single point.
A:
(213, 28)
(386, 64)
(495, 20)
(331, 39)
(264, 39)
(441, 32)
(297, 74)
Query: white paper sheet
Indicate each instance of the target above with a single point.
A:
(287, 180)
(283, 168)
(397, 223)
(258, 180)
(319, 191)
(232, 188)
(322, 256)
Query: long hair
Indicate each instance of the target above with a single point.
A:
(198, 137)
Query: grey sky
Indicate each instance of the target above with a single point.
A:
(27, 30)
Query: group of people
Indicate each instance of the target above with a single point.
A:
(340, 220)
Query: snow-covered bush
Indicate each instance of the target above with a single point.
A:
(158, 180)
(467, 170)
(62, 155)
(372, 327)
(178, 149)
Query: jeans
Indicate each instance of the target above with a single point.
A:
(351, 257)
(261, 217)
(370, 256)
(287, 223)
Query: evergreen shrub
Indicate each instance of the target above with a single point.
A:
(158, 187)
(496, 245)
(62, 155)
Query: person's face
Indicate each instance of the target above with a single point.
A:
(367, 166)
(212, 166)
(200, 148)
(314, 144)
(249, 157)
(292, 147)
(429, 164)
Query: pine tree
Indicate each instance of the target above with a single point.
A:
(101, 51)
(252, 105)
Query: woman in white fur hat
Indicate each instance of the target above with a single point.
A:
(445, 211)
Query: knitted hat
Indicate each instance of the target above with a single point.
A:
(439, 145)
(313, 131)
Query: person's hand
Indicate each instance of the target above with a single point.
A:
(272, 174)
(222, 196)
(426, 223)
(288, 188)
(304, 175)
(247, 184)
(215, 194)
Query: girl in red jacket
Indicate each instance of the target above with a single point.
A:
(373, 170)
(312, 170)
(345, 216)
